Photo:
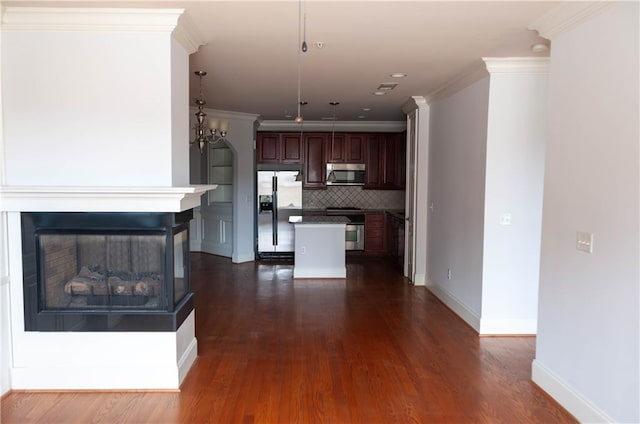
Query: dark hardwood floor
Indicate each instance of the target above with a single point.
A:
(368, 349)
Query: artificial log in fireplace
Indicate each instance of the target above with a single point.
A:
(94, 271)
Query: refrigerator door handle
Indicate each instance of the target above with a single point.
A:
(274, 203)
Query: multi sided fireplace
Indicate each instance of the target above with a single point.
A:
(93, 271)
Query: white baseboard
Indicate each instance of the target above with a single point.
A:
(508, 326)
(455, 305)
(419, 279)
(216, 249)
(565, 395)
(104, 360)
(187, 359)
(241, 257)
(195, 245)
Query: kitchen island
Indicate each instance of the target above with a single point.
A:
(319, 250)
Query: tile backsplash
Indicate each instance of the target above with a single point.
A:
(353, 196)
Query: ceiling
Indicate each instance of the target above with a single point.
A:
(252, 50)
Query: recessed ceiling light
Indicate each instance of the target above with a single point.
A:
(366, 109)
(379, 93)
(288, 116)
(361, 116)
(398, 75)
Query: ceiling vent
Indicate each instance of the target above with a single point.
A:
(386, 86)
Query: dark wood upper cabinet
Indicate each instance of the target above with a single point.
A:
(335, 148)
(385, 160)
(354, 148)
(291, 148)
(268, 148)
(382, 153)
(314, 161)
(278, 148)
(345, 148)
(372, 161)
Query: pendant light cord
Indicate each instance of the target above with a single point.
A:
(299, 37)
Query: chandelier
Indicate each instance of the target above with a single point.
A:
(207, 130)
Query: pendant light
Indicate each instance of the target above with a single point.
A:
(302, 35)
(332, 175)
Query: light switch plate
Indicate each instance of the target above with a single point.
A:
(584, 241)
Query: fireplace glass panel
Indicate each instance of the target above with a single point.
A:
(103, 271)
(180, 263)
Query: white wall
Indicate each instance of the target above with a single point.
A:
(5, 327)
(513, 185)
(587, 353)
(5, 313)
(90, 109)
(458, 137)
(179, 114)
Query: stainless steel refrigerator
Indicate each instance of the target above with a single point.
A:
(279, 198)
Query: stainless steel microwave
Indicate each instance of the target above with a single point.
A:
(345, 174)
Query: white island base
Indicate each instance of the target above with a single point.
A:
(319, 250)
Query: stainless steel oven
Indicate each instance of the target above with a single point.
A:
(354, 232)
(354, 237)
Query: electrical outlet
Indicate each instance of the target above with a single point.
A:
(448, 273)
(584, 241)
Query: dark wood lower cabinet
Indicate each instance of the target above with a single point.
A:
(395, 240)
(374, 234)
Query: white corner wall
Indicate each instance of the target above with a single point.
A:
(240, 137)
(180, 133)
(587, 353)
(457, 153)
(104, 96)
(513, 186)
(5, 312)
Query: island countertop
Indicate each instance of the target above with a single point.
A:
(318, 220)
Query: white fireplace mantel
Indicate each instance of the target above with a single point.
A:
(101, 199)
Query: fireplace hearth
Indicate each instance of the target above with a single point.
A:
(95, 271)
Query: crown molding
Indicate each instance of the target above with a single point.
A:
(415, 102)
(516, 65)
(567, 15)
(474, 73)
(225, 114)
(344, 126)
(187, 35)
(91, 19)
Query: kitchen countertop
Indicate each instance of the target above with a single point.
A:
(318, 220)
(397, 213)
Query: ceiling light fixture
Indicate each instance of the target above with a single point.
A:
(300, 174)
(539, 48)
(203, 124)
(398, 75)
(332, 176)
(379, 93)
